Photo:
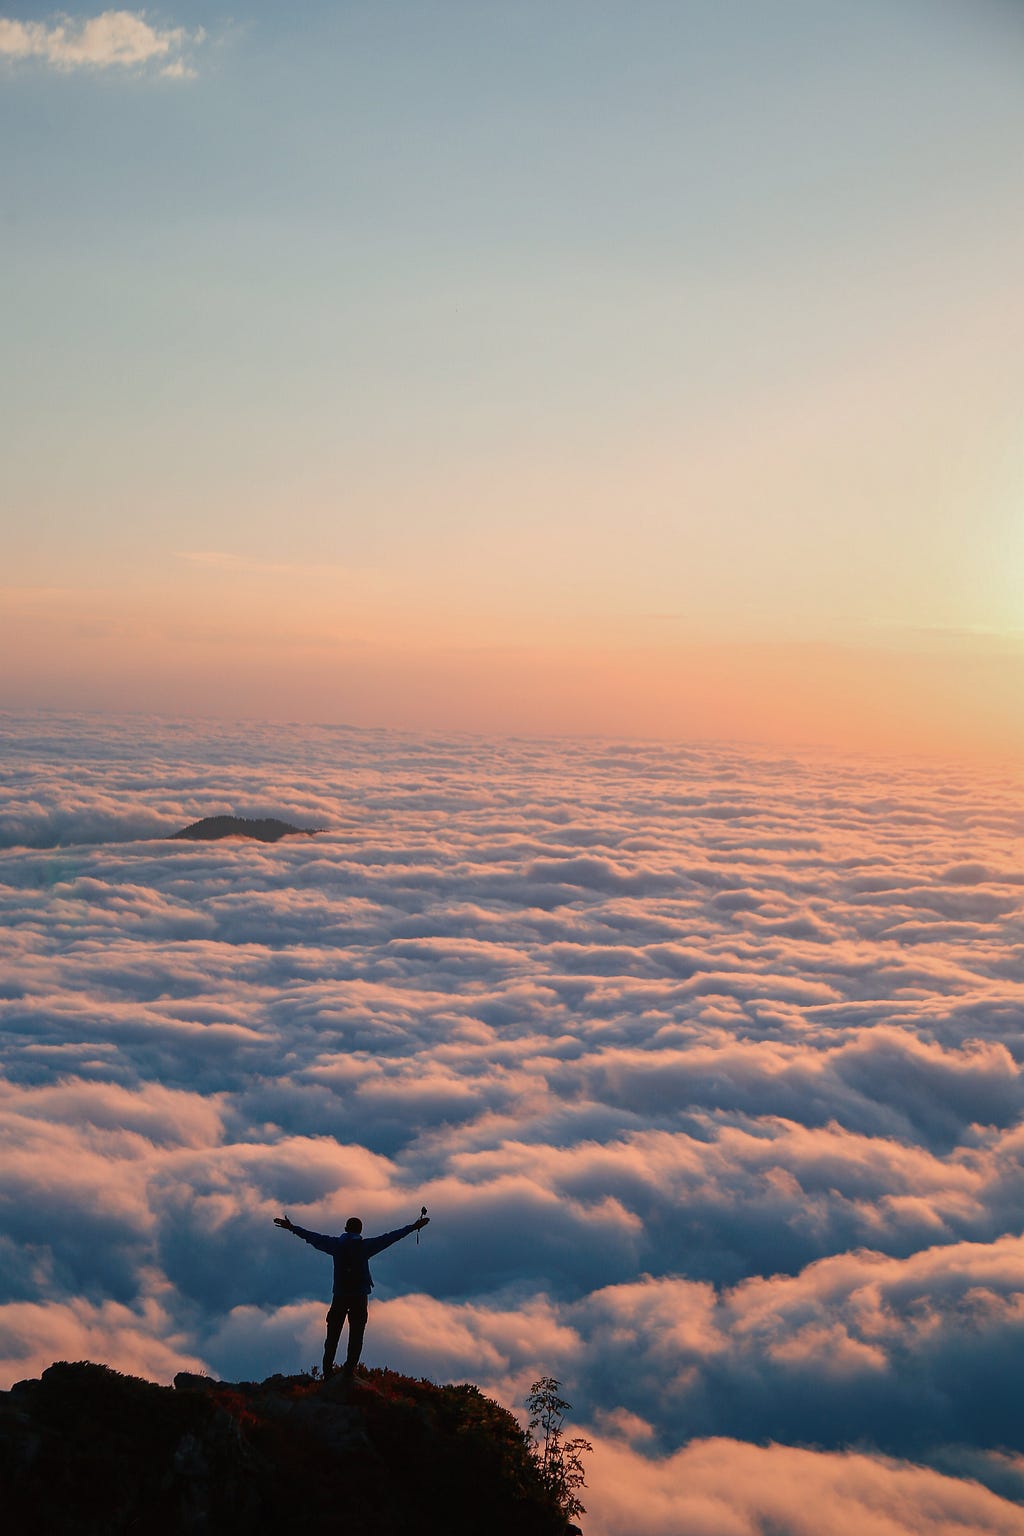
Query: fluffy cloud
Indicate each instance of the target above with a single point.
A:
(721, 1488)
(708, 1066)
(113, 39)
(140, 1338)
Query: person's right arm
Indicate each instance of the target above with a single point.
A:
(317, 1239)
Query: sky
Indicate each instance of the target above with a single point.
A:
(649, 370)
(705, 1061)
(543, 424)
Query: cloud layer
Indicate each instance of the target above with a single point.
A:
(113, 39)
(707, 1064)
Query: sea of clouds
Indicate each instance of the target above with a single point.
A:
(706, 1063)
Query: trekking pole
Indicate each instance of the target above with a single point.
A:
(423, 1212)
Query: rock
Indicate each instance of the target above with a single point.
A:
(87, 1451)
(188, 1381)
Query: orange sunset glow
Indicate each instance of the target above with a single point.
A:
(512, 767)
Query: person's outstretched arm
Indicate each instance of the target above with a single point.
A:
(318, 1240)
(372, 1245)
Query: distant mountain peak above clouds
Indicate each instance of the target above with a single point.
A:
(266, 829)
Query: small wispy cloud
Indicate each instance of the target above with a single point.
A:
(113, 39)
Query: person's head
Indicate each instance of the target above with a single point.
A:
(354, 1225)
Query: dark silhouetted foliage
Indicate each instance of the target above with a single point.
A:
(87, 1451)
(559, 1460)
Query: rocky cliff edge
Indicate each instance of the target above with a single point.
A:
(87, 1450)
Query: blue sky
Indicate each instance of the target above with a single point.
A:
(511, 316)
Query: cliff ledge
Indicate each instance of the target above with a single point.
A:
(87, 1450)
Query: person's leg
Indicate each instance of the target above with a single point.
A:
(357, 1310)
(335, 1319)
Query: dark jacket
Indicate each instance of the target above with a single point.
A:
(351, 1253)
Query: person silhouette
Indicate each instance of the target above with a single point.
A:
(352, 1281)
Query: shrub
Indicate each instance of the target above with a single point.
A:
(559, 1460)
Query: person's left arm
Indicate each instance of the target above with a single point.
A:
(372, 1245)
